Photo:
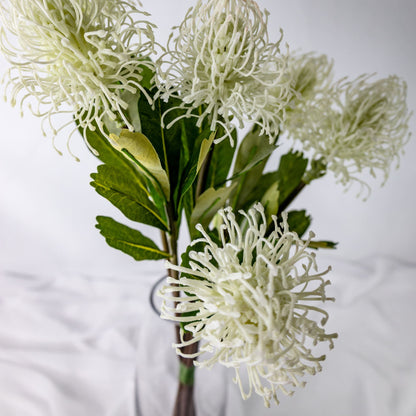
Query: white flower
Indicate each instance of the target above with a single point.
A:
(222, 63)
(355, 127)
(79, 53)
(250, 300)
(311, 75)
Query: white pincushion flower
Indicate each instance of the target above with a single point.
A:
(311, 75)
(78, 53)
(222, 64)
(358, 126)
(250, 303)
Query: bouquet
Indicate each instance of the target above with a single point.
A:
(184, 133)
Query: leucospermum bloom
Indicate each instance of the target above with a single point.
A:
(222, 62)
(358, 126)
(81, 54)
(311, 75)
(251, 303)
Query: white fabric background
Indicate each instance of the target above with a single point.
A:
(74, 344)
(74, 327)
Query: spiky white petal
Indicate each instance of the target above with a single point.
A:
(249, 302)
(355, 127)
(222, 62)
(80, 55)
(311, 75)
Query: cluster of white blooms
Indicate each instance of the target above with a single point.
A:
(222, 62)
(81, 53)
(354, 126)
(250, 303)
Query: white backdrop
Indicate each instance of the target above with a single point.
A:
(48, 209)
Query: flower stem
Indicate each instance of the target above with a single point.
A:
(184, 405)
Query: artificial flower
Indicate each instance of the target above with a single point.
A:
(357, 126)
(222, 64)
(251, 302)
(82, 54)
(311, 74)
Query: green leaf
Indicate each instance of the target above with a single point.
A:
(107, 153)
(145, 156)
(187, 203)
(132, 110)
(288, 176)
(221, 160)
(128, 240)
(185, 260)
(191, 134)
(322, 244)
(270, 201)
(199, 153)
(253, 150)
(127, 195)
(252, 157)
(298, 221)
(290, 173)
(203, 152)
(207, 205)
(167, 142)
(147, 74)
(317, 170)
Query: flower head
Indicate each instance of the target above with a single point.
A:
(80, 53)
(355, 127)
(249, 301)
(311, 75)
(222, 61)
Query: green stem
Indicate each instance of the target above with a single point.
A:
(165, 243)
(184, 405)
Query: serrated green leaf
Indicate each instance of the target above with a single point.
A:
(207, 205)
(112, 157)
(111, 183)
(128, 240)
(145, 156)
(316, 171)
(298, 222)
